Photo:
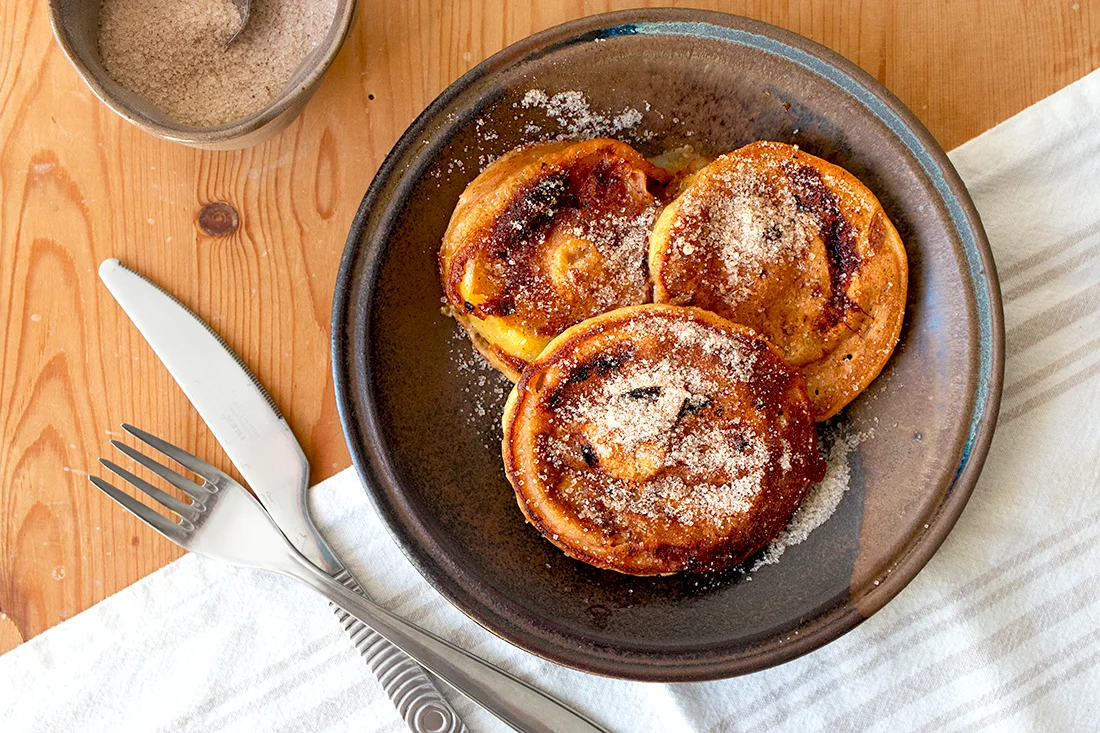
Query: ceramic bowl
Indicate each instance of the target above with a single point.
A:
(76, 27)
(422, 420)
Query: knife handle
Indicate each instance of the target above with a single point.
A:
(412, 691)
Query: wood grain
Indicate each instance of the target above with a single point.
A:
(9, 634)
(78, 185)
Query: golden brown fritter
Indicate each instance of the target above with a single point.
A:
(796, 249)
(546, 236)
(656, 439)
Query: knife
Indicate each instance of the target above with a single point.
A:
(259, 442)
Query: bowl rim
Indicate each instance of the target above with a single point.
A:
(203, 136)
(933, 163)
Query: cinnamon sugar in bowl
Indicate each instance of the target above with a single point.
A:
(170, 68)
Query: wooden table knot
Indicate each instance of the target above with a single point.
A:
(219, 219)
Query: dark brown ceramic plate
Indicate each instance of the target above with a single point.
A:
(423, 426)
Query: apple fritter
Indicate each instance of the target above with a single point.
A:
(795, 248)
(547, 236)
(657, 439)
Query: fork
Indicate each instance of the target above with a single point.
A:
(223, 521)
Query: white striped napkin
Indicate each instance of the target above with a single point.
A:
(1001, 631)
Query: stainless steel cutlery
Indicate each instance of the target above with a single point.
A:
(259, 442)
(223, 521)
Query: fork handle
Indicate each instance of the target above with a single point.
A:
(414, 694)
(517, 703)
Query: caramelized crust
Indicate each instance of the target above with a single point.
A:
(656, 439)
(547, 236)
(798, 250)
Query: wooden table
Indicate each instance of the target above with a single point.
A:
(80, 185)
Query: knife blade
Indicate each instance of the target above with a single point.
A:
(249, 426)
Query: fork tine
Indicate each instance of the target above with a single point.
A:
(186, 511)
(157, 521)
(192, 463)
(186, 485)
